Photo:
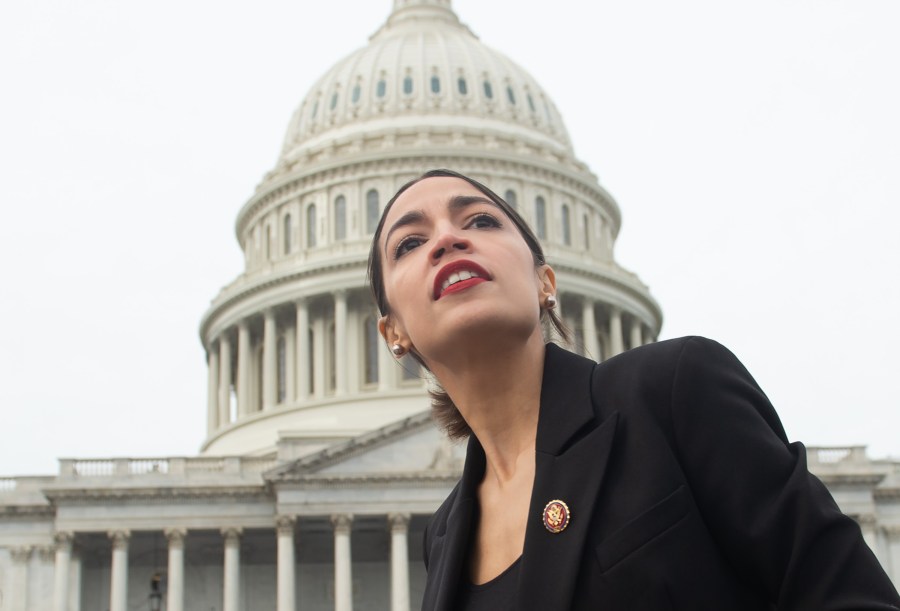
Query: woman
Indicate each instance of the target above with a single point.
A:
(660, 479)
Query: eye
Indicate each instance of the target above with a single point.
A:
(406, 245)
(483, 221)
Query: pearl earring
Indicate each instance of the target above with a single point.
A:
(397, 349)
(550, 302)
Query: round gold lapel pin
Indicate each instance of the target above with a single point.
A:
(556, 516)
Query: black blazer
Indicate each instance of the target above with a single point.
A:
(684, 494)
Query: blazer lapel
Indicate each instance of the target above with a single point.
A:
(572, 452)
(455, 540)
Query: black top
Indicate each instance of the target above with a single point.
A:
(494, 595)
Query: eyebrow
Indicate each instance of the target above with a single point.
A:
(456, 203)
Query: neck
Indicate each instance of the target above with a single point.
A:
(497, 390)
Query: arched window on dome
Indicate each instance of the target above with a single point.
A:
(488, 90)
(462, 86)
(510, 94)
(370, 345)
(530, 102)
(372, 211)
(435, 84)
(286, 228)
(587, 232)
(381, 88)
(566, 226)
(407, 85)
(311, 226)
(354, 97)
(340, 218)
(281, 353)
(540, 217)
(334, 100)
(511, 199)
(315, 110)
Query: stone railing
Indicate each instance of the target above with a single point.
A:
(849, 455)
(172, 466)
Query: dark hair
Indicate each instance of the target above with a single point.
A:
(443, 409)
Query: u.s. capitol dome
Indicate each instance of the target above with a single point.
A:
(425, 92)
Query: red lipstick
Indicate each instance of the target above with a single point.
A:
(449, 275)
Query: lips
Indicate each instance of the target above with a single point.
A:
(458, 276)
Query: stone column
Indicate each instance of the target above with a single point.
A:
(61, 575)
(340, 342)
(224, 380)
(118, 591)
(318, 357)
(636, 335)
(290, 365)
(287, 591)
(244, 366)
(270, 361)
(589, 324)
(343, 572)
(616, 341)
(20, 578)
(303, 350)
(399, 561)
(212, 391)
(75, 583)
(175, 593)
(232, 579)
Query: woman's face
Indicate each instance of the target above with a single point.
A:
(456, 269)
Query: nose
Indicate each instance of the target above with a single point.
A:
(449, 240)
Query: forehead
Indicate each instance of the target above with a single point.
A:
(429, 193)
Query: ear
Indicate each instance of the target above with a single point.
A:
(546, 283)
(392, 332)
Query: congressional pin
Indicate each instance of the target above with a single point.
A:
(556, 516)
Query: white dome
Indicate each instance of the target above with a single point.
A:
(424, 67)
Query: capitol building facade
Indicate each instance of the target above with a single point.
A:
(321, 464)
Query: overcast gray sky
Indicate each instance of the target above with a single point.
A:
(753, 147)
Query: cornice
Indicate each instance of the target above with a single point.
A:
(429, 479)
(157, 495)
(632, 287)
(868, 479)
(26, 512)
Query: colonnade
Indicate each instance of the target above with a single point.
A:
(307, 350)
(618, 330)
(285, 530)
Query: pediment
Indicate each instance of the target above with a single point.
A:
(410, 446)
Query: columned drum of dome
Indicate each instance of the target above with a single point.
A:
(290, 339)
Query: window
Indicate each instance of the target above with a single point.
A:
(410, 368)
(371, 345)
(287, 234)
(510, 95)
(340, 218)
(311, 226)
(540, 217)
(566, 228)
(282, 369)
(334, 100)
(372, 210)
(531, 103)
(381, 88)
(407, 85)
(488, 90)
(461, 85)
(355, 94)
(315, 109)
(435, 84)
(511, 199)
